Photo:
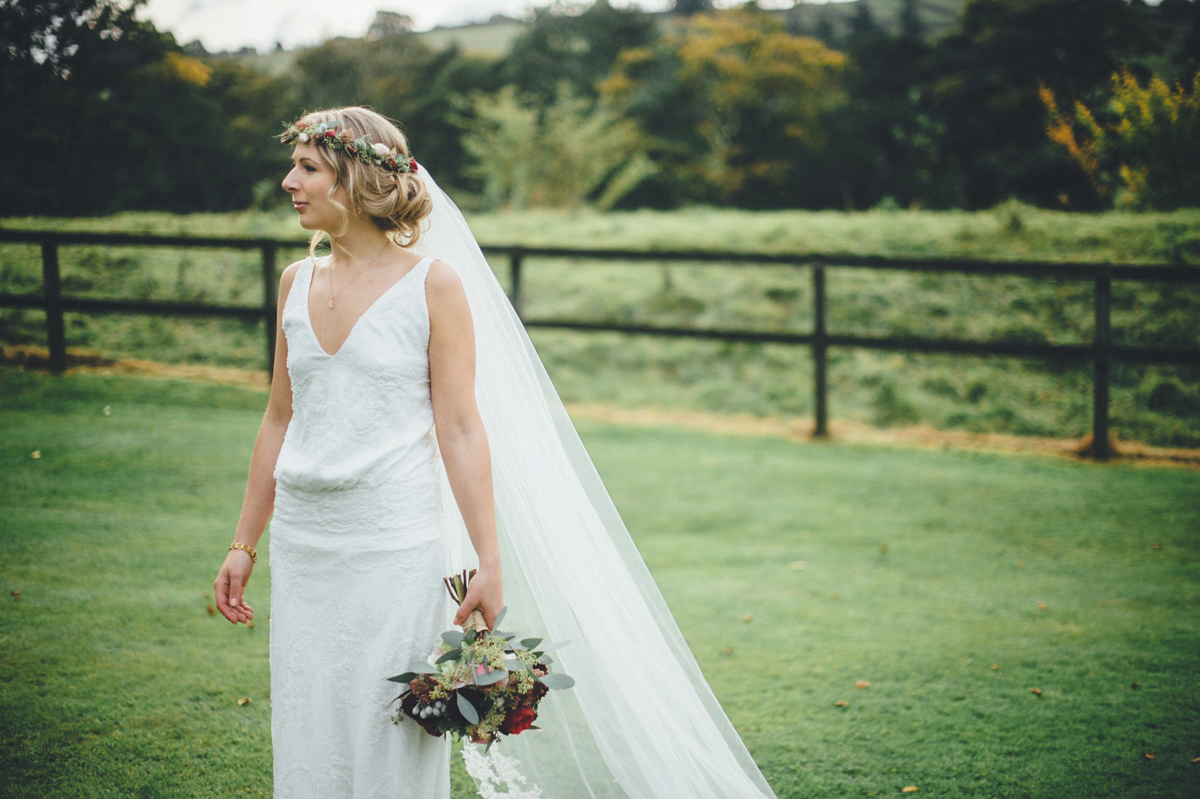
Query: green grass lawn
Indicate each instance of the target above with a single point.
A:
(952, 582)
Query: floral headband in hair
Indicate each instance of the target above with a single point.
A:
(360, 147)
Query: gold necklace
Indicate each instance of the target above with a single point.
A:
(332, 294)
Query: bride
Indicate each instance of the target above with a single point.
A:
(411, 432)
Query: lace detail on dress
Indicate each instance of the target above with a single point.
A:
(491, 770)
(356, 555)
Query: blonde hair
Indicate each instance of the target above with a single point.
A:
(395, 202)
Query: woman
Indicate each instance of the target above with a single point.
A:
(360, 525)
(375, 351)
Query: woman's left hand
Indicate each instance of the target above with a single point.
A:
(486, 592)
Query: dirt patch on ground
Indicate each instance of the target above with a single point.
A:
(798, 429)
(795, 429)
(84, 362)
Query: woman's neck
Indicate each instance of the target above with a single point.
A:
(361, 242)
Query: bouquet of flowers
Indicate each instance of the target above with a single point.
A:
(482, 684)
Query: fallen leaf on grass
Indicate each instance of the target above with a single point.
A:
(1149, 756)
(861, 684)
(841, 703)
(995, 667)
(37, 453)
(797, 565)
(1158, 546)
(245, 700)
(748, 618)
(211, 610)
(1037, 691)
(909, 789)
(1041, 606)
(727, 650)
(1196, 759)
(108, 410)
(16, 593)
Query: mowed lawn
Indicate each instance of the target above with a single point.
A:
(872, 618)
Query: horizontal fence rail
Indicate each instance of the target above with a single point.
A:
(1101, 351)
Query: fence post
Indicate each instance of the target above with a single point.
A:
(1100, 366)
(269, 302)
(819, 352)
(56, 337)
(515, 297)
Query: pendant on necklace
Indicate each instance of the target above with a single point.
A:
(331, 303)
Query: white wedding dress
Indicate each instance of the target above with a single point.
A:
(356, 554)
(365, 527)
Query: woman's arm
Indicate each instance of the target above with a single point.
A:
(260, 485)
(460, 434)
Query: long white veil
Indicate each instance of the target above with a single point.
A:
(641, 721)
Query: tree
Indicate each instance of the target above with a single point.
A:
(884, 143)
(579, 49)
(687, 8)
(980, 84)
(910, 20)
(733, 109)
(113, 116)
(527, 154)
(1149, 138)
(402, 79)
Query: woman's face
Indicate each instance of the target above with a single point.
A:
(309, 182)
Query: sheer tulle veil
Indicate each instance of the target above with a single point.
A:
(641, 721)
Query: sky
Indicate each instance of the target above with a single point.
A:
(233, 24)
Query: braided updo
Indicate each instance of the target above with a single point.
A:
(395, 202)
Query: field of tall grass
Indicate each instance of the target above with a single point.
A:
(1029, 397)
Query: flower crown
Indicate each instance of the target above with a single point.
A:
(345, 141)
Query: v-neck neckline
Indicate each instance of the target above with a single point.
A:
(308, 307)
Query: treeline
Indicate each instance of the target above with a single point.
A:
(1082, 104)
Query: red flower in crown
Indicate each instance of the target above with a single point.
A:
(412, 165)
(329, 134)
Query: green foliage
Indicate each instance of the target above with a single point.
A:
(952, 582)
(981, 85)
(576, 45)
(1150, 138)
(122, 118)
(402, 79)
(557, 156)
(731, 107)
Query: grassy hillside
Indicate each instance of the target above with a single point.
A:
(1158, 405)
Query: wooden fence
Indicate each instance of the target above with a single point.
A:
(1101, 352)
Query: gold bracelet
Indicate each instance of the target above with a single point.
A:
(249, 550)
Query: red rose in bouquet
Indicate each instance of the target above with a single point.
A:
(518, 720)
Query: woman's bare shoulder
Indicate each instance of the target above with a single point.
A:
(442, 276)
(442, 283)
(288, 277)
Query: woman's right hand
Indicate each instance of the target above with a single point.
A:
(230, 585)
